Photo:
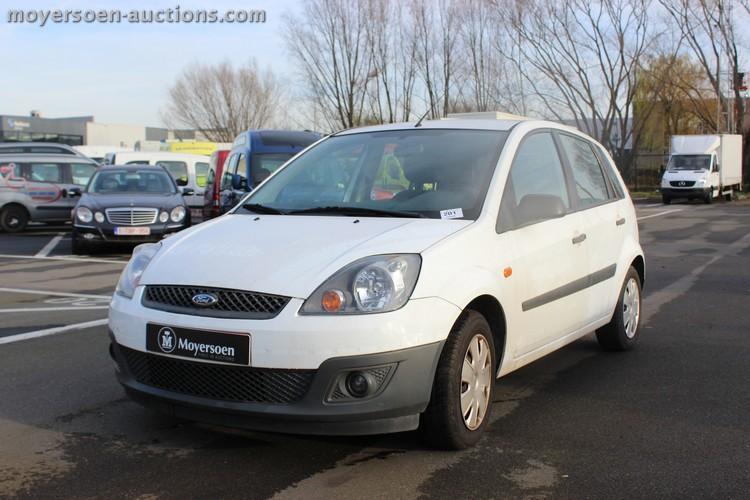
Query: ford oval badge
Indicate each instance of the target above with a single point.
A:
(204, 299)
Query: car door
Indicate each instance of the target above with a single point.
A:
(540, 232)
(604, 211)
(47, 190)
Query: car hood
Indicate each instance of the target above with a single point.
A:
(285, 255)
(103, 201)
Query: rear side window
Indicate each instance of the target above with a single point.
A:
(588, 178)
(536, 188)
(609, 170)
(177, 169)
(45, 172)
(201, 173)
(81, 173)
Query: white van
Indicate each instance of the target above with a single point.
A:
(99, 153)
(38, 187)
(186, 169)
(325, 303)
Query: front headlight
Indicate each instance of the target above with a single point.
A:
(177, 214)
(375, 284)
(700, 182)
(131, 275)
(84, 214)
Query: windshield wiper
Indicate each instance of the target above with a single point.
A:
(262, 209)
(355, 211)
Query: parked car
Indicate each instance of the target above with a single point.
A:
(187, 170)
(255, 155)
(38, 148)
(326, 309)
(212, 192)
(128, 204)
(36, 187)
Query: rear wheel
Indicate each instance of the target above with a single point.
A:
(461, 401)
(728, 196)
(621, 333)
(13, 219)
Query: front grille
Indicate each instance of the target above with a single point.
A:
(220, 382)
(682, 183)
(230, 303)
(132, 216)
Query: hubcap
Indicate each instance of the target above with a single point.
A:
(476, 377)
(631, 308)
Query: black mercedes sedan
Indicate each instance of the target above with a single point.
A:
(128, 204)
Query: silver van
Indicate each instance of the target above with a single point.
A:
(45, 148)
(37, 187)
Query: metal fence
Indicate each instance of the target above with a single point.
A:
(646, 171)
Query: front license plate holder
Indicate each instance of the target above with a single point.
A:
(198, 345)
(132, 231)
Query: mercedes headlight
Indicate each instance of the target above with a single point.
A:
(375, 284)
(177, 214)
(700, 182)
(131, 275)
(84, 214)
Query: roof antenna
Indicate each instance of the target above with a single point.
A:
(419, 122)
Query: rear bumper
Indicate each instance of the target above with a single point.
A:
(395, 407)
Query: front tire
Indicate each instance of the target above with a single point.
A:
(621, 333)
(79, 247)
(709, 198)
(461, 401)
(13, 219)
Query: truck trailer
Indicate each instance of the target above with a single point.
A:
(703, 167)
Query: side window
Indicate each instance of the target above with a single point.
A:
(240, 168)
(45, 172)
(81, 173)
(201, 173)
(590, 184)
(177, 169)
(609, 170)
(226, 178)
(210, 176)
(536, 188)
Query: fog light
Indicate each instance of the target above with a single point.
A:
(88, 236)
(357, 384)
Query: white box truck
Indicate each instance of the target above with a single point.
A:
(703, 167)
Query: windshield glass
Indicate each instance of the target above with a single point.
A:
(264, 164)
(429, 173)
(690, 162)
(177, 169)
(111, 181)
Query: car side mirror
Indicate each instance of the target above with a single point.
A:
(239, 182)
(538, 207)
(74, 192)
(186, 191)
(181, 181)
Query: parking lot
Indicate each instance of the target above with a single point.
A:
(666, 420)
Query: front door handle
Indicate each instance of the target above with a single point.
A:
(579, 239)
(620, 221)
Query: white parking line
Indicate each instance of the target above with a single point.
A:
(48, 309)
(46, 249)
(651, 205)
(58, 294)
(51, 331)
(661, 213)
(73, 259)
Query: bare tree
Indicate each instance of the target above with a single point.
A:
(222, 101)
(588, 55)
(709, 29)
(328, 41)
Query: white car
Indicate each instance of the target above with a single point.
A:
(383, 279)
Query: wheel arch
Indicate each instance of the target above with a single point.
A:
(489, 307)
(639, 264)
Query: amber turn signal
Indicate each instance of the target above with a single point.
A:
(332, 301)
(507, 272)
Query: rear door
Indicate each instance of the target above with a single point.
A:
(604, 209)
(47, 190)
(537, 223)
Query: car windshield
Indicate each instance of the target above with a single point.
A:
(264, 164)
(111, 181)
(432, 173)
(689, 162)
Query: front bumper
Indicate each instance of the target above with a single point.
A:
(394, 408)
(697, 192)
(105, 233)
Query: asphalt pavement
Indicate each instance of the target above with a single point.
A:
(669, 419)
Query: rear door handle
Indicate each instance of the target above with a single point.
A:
(579, 239)
(620, 221)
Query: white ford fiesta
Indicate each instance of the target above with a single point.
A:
(382, 280)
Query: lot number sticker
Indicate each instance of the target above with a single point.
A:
(453, 213)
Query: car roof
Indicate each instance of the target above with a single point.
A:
(133, 166)
(8, 145)
(459, 124)
(43, 158)
(163, 155)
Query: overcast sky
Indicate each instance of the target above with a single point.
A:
(121, 73)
